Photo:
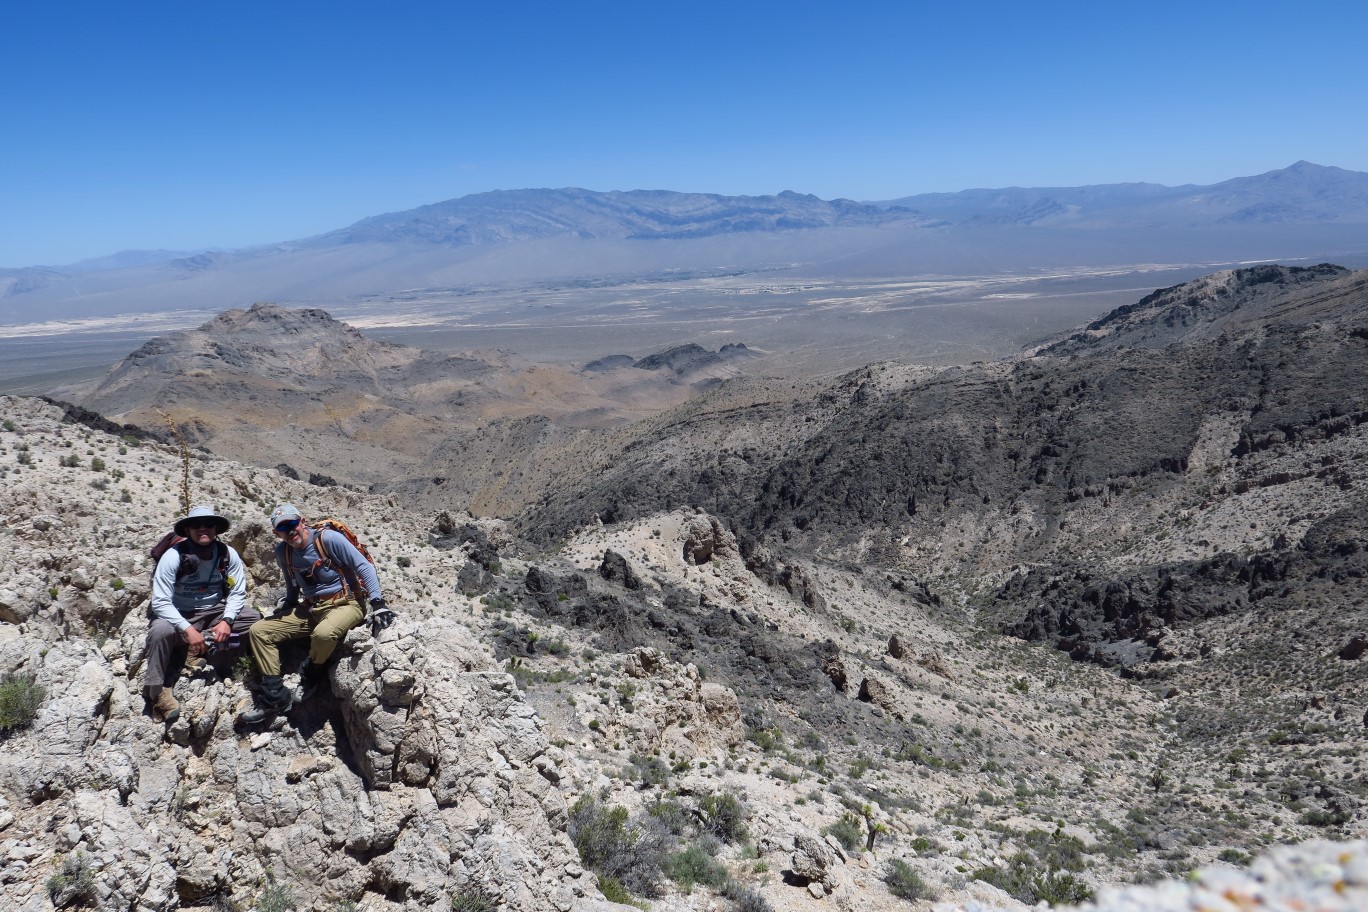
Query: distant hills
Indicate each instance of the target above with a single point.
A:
(515, 237)
(1303, 192)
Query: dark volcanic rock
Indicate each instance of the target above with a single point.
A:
(611, 362)
(682, 359)
(1110, 617)
(615, 569)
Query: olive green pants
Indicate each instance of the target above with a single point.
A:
(325, 627)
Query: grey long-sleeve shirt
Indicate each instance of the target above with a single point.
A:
(306, 574)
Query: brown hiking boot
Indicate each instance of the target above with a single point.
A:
(194, 665)
(164, 706)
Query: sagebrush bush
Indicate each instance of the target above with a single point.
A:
(847, 831)
(631, 852)
(724, 816)
(696, 865)
(74, 884)
(276, 898)
(671, 815)
(745, 898)
(905, 883)
(20, 700)
(473, 900)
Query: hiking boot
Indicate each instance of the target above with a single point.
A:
(163, 704)
(194, 665)
(273, 699)
(311, 677)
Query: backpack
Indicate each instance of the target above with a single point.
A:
(338, 525)
(342, 528)
(172, 540)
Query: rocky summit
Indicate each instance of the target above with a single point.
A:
(1039, 630)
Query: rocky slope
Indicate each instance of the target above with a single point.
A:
(824, 735)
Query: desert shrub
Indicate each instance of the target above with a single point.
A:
(1025, 880)
(648, 770)
(1327, 817)
(472, 899)
(276, 898)
(745, 898)
(905, 883)
(20, 699)
(847, 831)
(613, 890)
(671, 814)
(1235, 857)
(724, 816)
(74, 884)
(628, 851)
(696, 865)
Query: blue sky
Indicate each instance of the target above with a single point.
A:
(183, 126)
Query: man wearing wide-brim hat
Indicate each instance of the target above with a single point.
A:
(199, 593)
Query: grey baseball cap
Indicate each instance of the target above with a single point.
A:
(283, 513)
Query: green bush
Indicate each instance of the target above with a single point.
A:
(695, 865)
(1028, 882)
(630, 852)
(648, 770)
(613, 890)
(746, 899)
(724, 816)
(74, 884)
(847, 831)
(276, 898)
(20, 699)
(472, 899)
(671, 814)
(905, 883)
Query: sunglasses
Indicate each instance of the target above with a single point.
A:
(202, 524)
(287, 526)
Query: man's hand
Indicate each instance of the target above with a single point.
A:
(288, 604)
(195, 639)
(221, 631)
(381, 616)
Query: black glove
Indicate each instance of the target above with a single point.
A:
(381, 616)
(289, 602)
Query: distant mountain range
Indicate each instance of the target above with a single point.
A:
(1303, 192)
(572, 235)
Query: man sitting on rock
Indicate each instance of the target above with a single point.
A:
(327, 589)
(199, 588)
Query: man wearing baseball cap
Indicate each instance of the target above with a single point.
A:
(329, 584)
(199, 593)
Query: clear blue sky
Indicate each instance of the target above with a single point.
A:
(190, 125)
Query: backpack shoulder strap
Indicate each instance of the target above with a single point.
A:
(321, 548)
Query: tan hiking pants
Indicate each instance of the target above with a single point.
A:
(325, 627)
